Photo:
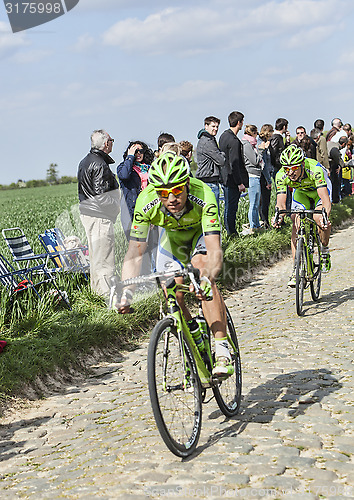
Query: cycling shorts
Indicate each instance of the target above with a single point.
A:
(307, 199)
(174, 253)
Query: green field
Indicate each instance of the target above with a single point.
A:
(42, 336)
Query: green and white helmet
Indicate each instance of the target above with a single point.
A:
(168, 168)
(292, 155)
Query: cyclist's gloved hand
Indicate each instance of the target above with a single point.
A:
(205, 285)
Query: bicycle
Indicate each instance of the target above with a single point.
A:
(308, 262)
(179, 374)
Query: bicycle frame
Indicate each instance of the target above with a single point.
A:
(174, 311)
(308, 235)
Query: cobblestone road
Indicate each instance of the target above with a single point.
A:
(292, 439)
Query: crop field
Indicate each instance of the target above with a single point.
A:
(36, 209)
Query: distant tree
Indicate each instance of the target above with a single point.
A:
(36, 183)
(67, 179)
(52, 174)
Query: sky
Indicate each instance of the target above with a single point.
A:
(140, 68)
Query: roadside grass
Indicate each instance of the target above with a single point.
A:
(43, 336)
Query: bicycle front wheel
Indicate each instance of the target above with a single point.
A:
(174, 387)
(300, 263)
(228, 392)
(315, 285)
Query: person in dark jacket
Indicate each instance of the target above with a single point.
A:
(132, 174)
(208, 155)
(280, 139)
(99, 207)
(265, 136)
(234, 175)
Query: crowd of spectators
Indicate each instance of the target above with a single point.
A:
(232, 167)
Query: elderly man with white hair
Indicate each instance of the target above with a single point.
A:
(99, 208)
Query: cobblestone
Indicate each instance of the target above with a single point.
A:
(293, 438)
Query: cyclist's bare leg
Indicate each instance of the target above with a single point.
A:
(296, 224)
(214, 310)
(323, 233)
(180, 300)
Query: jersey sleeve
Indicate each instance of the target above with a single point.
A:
(210, 214)
(141, 220)
(280, 181)
(319, 177)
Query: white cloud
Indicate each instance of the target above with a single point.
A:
(83, 43)
(124, 4)
(194, 30)
(9, 42)
(31, 56)
(192, 90)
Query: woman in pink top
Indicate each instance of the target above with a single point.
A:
(133, 174)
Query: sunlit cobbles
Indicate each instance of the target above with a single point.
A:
(293, 433)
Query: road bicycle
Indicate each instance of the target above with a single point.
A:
(179, 374)
(308, 262)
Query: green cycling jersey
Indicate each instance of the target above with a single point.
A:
(314, 177)
(201, 213)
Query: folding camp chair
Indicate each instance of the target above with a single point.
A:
(33, 266)
(13, 280)
(73, 243)
(21, 250)
(66, 260)
(17, 280)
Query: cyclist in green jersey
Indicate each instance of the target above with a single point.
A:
(186, 210)
(311, 189)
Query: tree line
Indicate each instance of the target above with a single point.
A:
(52, 177)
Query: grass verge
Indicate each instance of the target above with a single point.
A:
(42, 338)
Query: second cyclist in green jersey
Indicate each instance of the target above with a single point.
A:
(311, 189)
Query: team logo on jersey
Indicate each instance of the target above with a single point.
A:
(150, 205)
(211, 211)
(196, 200)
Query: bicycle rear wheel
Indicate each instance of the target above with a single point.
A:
(315, 285)
(228, 392)
(174, 388)
(300, 265)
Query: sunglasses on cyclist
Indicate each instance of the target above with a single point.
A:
(292, 168)
(175, 190)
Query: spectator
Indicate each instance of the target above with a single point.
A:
(186, 150)
(132, 173)
(254, 165)
(280, 139)
(348, 129)
(347, 172)
(336, 127)
(209, 157)
(266, 176)
(172, 147)
(234, 175)
(162, 139)
(305, 145)
(336, 163)
(308, 146)
(99, 207)
(321, 150)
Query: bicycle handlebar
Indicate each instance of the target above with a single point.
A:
(192, 272)
(303, 212)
